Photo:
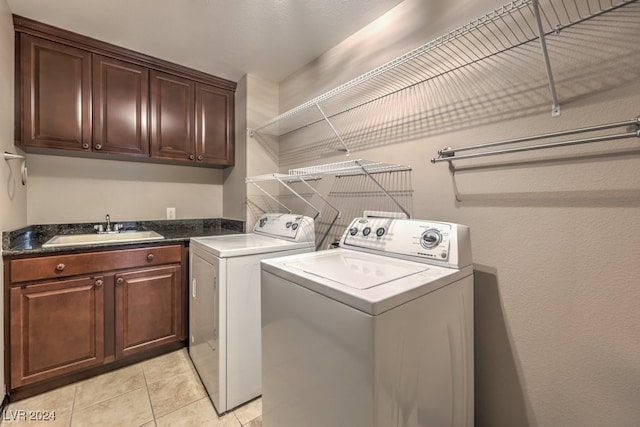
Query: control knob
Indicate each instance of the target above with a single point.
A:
(430, 238)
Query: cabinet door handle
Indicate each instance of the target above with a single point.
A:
(60, 267)
(98, 146)
(119, 281)
(200, 157)
(150, 257)
(99, 283)
(85, 146)
(191, 157)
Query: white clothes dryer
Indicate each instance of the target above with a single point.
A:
(224, 303)
(377, 333)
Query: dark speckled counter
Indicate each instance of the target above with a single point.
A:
(29, 240)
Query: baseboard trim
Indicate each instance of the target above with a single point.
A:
(5, 403)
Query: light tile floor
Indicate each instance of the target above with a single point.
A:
(164, 391)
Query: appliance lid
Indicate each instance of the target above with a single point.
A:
(367, 282)
(244, 244)
(356, 270)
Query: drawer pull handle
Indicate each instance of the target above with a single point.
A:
(99, 283)
(60, 267)
(150, 257)
(119, 281)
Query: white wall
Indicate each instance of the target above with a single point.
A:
(235, 190)
(13, 209)
(262, 150)
(66, 189)
(13, 206)
(256, 101)
(556, 235)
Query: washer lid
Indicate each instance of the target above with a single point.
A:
(356, 270)
(367, 282)
(244, 244)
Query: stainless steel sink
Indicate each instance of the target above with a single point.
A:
(96, 239)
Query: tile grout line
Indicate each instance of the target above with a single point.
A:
(73, 403)
(146, 385)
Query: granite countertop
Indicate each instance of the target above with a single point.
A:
(29, 240)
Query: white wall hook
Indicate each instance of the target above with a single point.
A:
(23, 164)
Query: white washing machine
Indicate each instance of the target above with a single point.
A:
(377, 333)
(224, 306)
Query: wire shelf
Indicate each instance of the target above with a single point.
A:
(515, 26)
(349, 167)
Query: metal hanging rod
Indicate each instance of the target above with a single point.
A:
(633, 131)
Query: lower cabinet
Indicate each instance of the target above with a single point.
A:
(57, 328)
(148, 309)
(71, 313)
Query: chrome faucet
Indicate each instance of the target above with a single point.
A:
(115, 228)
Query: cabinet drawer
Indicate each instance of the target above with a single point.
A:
(47, 267)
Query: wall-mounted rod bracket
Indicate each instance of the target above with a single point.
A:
(23, 164)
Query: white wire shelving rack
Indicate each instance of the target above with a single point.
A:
(518, 24)
(285, 180)
(347, 168)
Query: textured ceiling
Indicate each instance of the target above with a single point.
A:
(228, 38)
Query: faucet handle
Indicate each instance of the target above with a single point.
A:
(117, 227)
(99, 228)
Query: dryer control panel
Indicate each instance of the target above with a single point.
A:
(293, 227)
(439, 243)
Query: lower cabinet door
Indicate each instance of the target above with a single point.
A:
(56, 328)
(148, 309)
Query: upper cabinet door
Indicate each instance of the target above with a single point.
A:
(55, 95)
(172, 117)
(120, 107)
(214, 125)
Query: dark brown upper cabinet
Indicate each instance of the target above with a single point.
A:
(120, 107)
(190, 121)
(172, 104)
(214, 125)
(80, 96)
(55, 90)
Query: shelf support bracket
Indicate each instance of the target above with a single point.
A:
(299, 196)
(346, 148)
(555, 107)
(335, 218)
(271, 197)
(386, 193)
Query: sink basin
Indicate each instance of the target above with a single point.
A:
(96, 239)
